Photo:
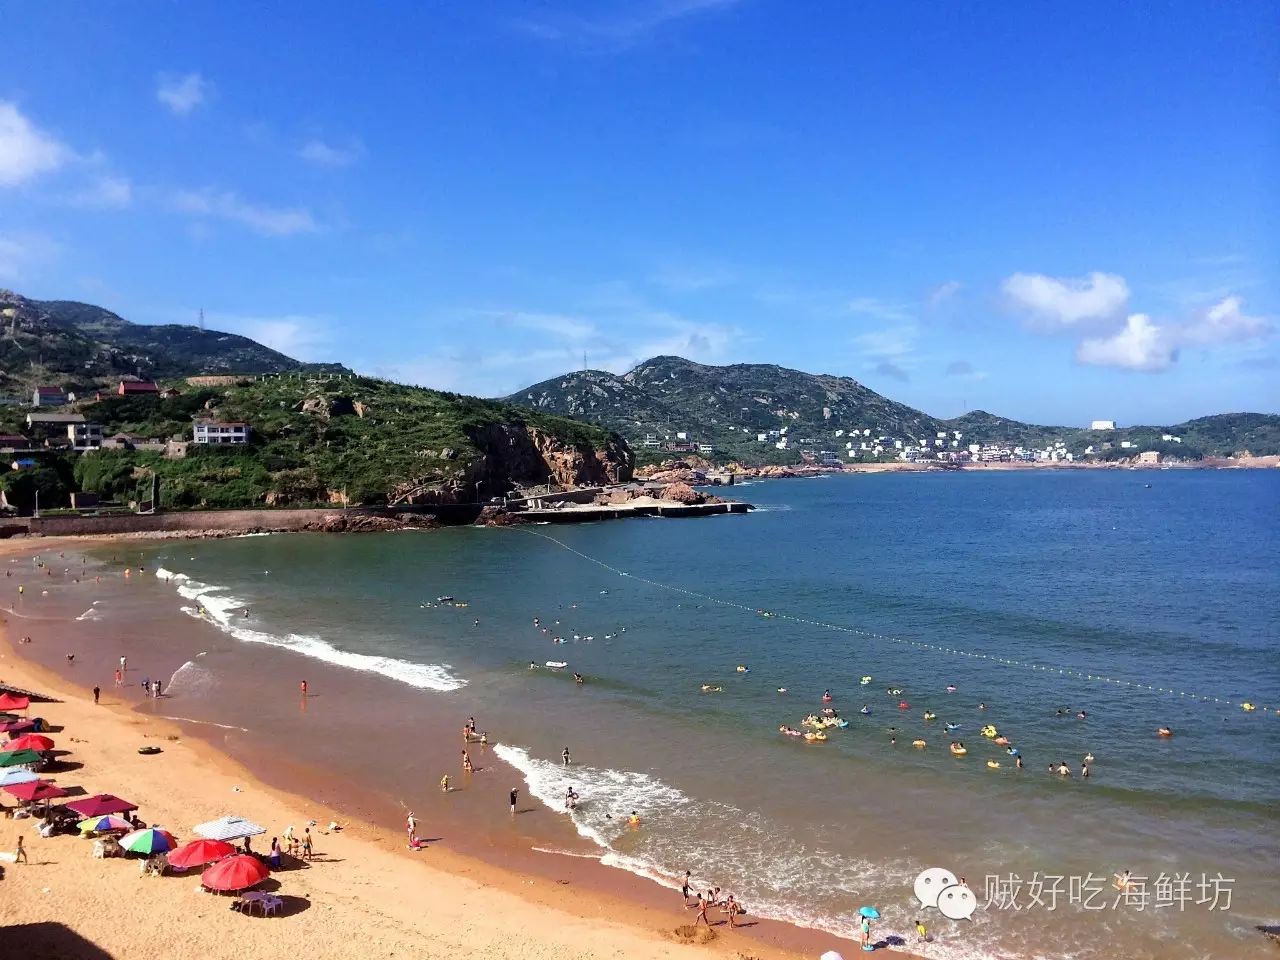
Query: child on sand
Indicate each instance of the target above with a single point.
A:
(702, 912)
(444, 784)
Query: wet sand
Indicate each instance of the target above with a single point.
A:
(481, 888)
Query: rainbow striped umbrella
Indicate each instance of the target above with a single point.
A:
(104, 824)
(148, 841)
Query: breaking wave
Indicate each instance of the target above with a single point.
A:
(221, 609)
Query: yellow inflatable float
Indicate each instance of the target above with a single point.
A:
(818, 736)
(918, 744)
(957, 750)
(993, 764)
(1248, 707)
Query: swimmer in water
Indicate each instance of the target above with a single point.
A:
(444, 784)
(577, 678)
(633, 821)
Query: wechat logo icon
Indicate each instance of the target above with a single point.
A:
(938, 887)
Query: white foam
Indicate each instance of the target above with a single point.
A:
(91, 613)
(766, 868)
(222, 610)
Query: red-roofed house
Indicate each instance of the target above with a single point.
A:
(129, 388)
(48, 397)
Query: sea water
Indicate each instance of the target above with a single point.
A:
(1144, 599)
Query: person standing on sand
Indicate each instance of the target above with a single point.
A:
(303, 687)
(444, 784)
(466, 762)
(734, 910)
(865, 927)
(124, 664)
(702, 912)
(275, 854)
(684, 888)
(515, 795)
(97, 692)
(410, 824)
(306, 844)
(20, 854)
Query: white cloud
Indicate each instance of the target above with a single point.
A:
(182, 94)
(227, 205)
(890, 342)
(301, 336)
(20, 253)
(25, 150)
(885, 310)
(105, 193)
(328, 155)
(628, 23)
(1062, 303)
(1140, 345)
(692, 278)
(1224, 322)
(572, 329)
(944, 292)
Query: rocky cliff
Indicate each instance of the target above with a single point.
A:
(524, 455)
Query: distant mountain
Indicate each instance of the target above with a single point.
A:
(82, 345)
(728, 407)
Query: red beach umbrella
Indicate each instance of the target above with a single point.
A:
(100, 805)
(11, 701)
(30, 741)
(199, 852)
(235, 873)
(35, 790)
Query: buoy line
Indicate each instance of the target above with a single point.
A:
(903, 641)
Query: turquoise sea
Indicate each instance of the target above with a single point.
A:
(1143, 598)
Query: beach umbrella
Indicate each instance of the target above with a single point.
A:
(16, 726)
(831, 955)
(13, 701)
(34, 790)
(196, 853)
(235, 873)
(149, 841)
(104, 824)
(100, 805)
(229, 828)
(871, 913)
(19, 758)
(30, 741)
(16, 775)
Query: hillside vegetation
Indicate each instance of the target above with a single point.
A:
(330, 439)
(727, 407)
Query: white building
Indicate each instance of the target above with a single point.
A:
(85, 436)
(1102, 425)
(651, 441)
(209, 431)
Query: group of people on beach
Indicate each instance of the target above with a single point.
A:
(713, 898)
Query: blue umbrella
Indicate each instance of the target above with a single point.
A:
(871, 913)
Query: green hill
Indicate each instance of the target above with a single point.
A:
(729, 407)
(80, 346)
(320, 439)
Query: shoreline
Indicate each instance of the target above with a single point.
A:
(527, 896)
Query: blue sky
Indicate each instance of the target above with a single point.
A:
(1056, 212)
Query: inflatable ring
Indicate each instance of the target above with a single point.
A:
(993, 764)
(918, 744)
(959, 751)
(148, 751)
(1248, 707)
(864, 681)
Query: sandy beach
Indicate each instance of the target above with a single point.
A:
(394, 902)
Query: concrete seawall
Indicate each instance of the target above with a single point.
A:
(197, 522)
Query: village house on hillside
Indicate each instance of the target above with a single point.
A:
(48, 397)
(212, 431)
